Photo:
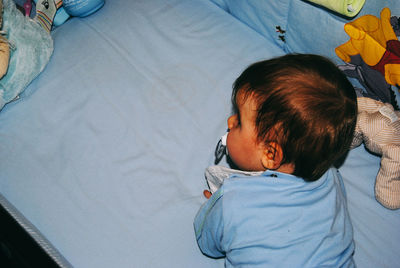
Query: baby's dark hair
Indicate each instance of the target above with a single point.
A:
(306, 105)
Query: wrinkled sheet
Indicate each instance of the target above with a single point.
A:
(105, 151)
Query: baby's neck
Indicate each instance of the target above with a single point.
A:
(286, 168)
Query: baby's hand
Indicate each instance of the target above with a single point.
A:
(207, 194)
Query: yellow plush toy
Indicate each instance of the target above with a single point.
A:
(4, 47)
(374, 39)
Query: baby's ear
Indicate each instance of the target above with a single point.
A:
(272, 156)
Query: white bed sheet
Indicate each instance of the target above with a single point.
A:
(105, 152)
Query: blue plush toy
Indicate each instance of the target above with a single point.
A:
(75, 8)
(79, 8)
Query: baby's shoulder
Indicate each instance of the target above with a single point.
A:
(274, 188)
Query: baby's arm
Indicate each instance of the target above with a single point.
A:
(208, 226)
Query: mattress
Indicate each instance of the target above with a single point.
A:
(104, 153)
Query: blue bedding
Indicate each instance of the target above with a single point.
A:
(105, 151)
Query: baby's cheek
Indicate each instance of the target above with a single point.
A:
(234, 150)
(230, 142)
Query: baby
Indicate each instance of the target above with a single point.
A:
(294, 117)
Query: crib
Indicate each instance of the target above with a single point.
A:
(102, 156)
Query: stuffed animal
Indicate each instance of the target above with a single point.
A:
(372, 55)
(30, 51)
(4, 46)
(32, 44)
(375, 40)
(378, 127)
(75, 8)
(373, 82)
(82, 8)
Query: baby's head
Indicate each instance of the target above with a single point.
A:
(295, 114)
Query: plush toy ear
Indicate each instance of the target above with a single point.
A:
(378, 126)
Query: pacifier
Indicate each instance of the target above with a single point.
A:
(221, 150)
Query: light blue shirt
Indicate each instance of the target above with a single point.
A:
(277, 220)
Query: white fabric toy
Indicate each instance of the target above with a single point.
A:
(378, 127)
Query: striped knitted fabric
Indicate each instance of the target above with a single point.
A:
(378, 126)
(45, 12)
(44, 20)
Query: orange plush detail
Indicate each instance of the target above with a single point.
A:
(374, 39)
